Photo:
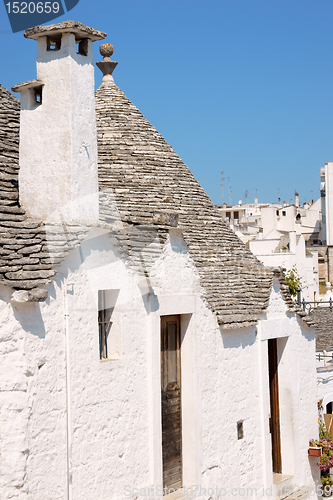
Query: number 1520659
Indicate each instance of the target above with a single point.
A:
(33, 7)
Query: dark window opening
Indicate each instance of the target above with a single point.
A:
(329, 408)
(53, 44)
(240, 430)
(236, 215)
(284, 213)
(104, 324)
(82, 47)
(277, 213)
(38, 94)
(228, 214)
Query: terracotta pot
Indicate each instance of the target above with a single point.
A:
(315, 451)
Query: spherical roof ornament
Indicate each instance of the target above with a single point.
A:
(106, 49)
(106, 66)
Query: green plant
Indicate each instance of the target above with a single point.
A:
(326, 459)
(326, 480)
(327, 483)
(323, 432)
(293, 280)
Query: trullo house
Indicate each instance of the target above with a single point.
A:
(144, 349)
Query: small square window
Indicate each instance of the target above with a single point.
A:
(284, 213)
(53, 44)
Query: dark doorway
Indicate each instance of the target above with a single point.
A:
(171, 402)
(274, 402)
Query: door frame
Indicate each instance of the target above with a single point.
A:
(164, 320)
(274, 423)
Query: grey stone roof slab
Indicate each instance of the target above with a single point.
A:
(31, 84)
(80, 31)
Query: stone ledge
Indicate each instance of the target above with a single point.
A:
(80, 30)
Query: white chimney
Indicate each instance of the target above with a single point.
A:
(58, 177)
(296, 199)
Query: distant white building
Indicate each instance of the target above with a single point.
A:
(326, 191)
(281, 235)
(249, 220)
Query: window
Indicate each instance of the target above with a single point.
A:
(82, 47)
(104, 324)
(240, 430)
(38, 94)
(109, 331)
(228, 215)
(277, 213)
(236, 215)
(53, 44)
(284, 213)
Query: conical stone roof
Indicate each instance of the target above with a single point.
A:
(151, 183)
(146, 187)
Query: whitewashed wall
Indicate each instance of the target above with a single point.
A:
(58, 146)
(111, 409)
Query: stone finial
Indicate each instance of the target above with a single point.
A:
(106, 66)
(106, 49)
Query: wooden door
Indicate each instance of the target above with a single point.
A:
(171, 402)
(275, 411)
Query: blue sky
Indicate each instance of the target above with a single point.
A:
(239, 86)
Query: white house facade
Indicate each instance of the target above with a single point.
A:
(144, 348)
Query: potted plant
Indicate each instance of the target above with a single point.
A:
(327, 483)
(326, 455)
(315, 451)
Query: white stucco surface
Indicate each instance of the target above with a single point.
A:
(58, 175)
(74, 425)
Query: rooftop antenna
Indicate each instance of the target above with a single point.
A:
(246, 196)
(312, 191)
(256, 196)
(229, 191)
(222, 179)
